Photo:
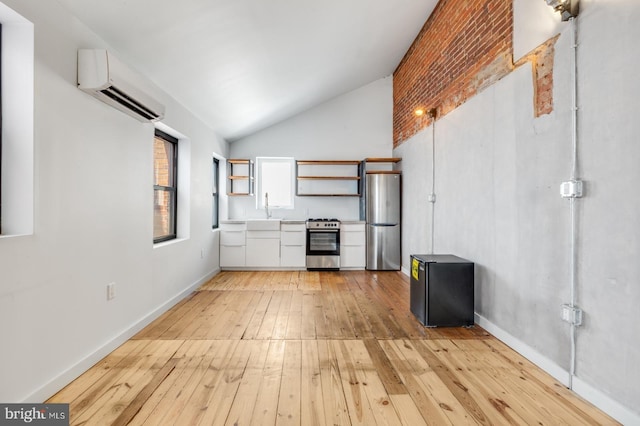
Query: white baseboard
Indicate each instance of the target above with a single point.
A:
(557, 372)
(50, 388)
(613, 408)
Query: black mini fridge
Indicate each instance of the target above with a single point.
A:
(442, 290)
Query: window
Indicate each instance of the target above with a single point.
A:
(17, 163)
(0, 130)
(215, 219)
(275, 178)
(165, 186)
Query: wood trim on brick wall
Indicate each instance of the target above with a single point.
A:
(464, 47)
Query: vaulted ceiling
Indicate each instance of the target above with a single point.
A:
(243, 65)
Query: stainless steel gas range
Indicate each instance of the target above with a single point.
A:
(323, 244)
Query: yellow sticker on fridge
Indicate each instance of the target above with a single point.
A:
(414, 268)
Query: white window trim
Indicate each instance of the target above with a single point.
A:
(259, 181)
(17, 127)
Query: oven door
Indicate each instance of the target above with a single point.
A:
(323, 242)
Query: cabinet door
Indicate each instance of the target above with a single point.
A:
(263, 252)
(232, 256)
(353, 240)
(353, 256)
(293, 256)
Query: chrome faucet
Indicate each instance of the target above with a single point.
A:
(266, 204)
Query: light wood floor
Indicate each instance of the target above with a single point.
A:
(315, 348)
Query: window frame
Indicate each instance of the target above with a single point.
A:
(173, 188)
(215, 194)
(260, 161)
(1, 132)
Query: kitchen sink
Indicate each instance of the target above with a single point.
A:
(263, 225)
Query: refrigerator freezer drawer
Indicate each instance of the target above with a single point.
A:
(383, 248)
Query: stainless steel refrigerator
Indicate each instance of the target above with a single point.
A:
(382, 214)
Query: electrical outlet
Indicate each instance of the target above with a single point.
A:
(111, 291)
(431, 198)
(201, 253)
(572, 315)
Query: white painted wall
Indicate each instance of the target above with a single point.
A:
(498, 171)
(353, 126)
(93, 223)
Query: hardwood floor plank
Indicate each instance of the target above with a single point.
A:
(479, 407)
(340, 327)
(120, 359)
(245, 401)
(319, 318)
(220, 400)
(142, 398)
(308, 325)
(268, 323)
(551, 386)
(173, 396)
(169, 318)
(407, 410)
(333, 395)
(257, 316)
(312, 410)
(282, 319)
(209, 382)
(390, 378)
(381, 408)
(294, 324)
(266, 407)
(113, 400)
(289, 409)
(435, 409)
(360, 411)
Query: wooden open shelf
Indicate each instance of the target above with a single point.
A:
(239, 174)
(343, 174)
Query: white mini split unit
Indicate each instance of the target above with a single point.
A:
(103, 76)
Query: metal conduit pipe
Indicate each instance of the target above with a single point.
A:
(573, 201)
(432, 195)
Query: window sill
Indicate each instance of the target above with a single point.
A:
(169, 243)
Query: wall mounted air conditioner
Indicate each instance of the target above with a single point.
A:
(103, 76)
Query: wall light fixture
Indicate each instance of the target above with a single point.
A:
(568, 8)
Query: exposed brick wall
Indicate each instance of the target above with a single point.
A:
(465, 46)
(541, 59)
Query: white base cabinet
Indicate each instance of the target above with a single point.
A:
(293, 240)
(263, 248)
(232, 245)
(353, 246)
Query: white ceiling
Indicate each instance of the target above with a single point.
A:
(243, 65)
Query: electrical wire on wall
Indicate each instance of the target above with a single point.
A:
(432, 194)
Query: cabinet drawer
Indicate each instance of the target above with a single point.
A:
(233, 226)
(263, 234)
(293, 238)
(357, 238)
(293, 227)
(232, 238)
(292, 256)
(353, 257)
